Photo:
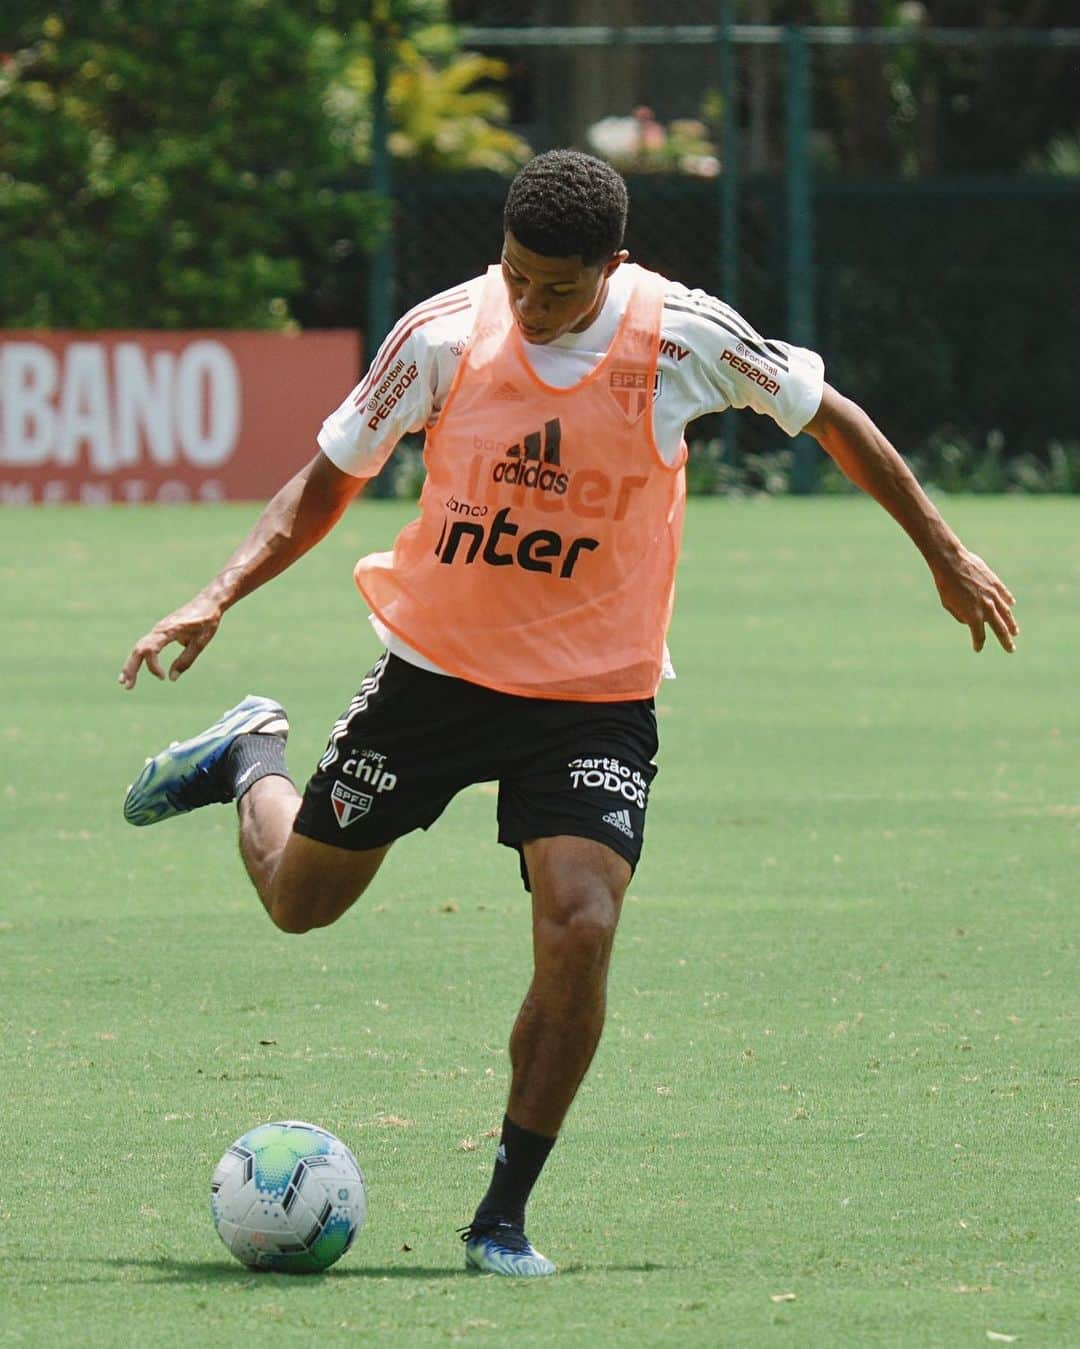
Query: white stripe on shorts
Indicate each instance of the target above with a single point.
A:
(368, 687)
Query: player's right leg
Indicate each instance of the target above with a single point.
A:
(203, 770)
(241, 756)
(397, 755)
(302, 882)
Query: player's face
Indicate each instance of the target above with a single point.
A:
(553, 296)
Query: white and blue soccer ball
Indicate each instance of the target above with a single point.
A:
(288, 1197)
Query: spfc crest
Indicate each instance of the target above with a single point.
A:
(633, 390)
(349, 804)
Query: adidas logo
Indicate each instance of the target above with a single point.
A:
(506, 393)
(620, 819)
(535, 461)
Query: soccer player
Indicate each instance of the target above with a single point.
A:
(523, 613)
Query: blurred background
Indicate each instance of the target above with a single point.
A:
(895, 183)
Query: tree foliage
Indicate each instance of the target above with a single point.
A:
(201, 162)
(168, 163)
(446, 109)
(447, 116)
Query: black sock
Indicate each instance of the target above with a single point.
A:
(518, 1164)
(253, 757)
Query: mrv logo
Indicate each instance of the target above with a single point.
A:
(535, 462)
(539, 550)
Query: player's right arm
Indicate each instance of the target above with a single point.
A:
(401, 392)
(294, 520)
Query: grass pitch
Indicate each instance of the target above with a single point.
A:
(834, 1103)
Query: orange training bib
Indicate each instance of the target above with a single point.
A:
(543, 560)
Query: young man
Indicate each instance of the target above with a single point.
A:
(524, 612)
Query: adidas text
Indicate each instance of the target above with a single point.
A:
(522, 474)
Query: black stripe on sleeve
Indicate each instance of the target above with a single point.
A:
(729, 321)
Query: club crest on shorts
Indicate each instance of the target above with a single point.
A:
(633, 390)
(349, 804)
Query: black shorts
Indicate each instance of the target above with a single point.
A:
(411, 740)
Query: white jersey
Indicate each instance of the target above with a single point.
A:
(710, 359)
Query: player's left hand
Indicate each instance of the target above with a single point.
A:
(974, 596)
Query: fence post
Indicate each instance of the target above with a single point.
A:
(380, 270)
(800, 230)
(729, 194)
(381, 258)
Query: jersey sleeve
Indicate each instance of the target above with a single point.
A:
(404, 386)
(734, 366)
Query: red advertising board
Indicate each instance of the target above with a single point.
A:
(163, 416)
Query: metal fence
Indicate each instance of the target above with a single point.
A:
(853, 190)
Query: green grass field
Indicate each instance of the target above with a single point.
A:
(835, 1102)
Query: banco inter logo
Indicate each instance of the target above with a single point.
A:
(499, 542)
(535, 462)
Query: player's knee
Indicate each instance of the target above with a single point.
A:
(303, 896)
(288, 920)
(581, 916)
(298, 913)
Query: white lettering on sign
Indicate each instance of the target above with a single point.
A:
(132, 491)
(161, 409)
(27, 420)
(207, 403)
(83, 412)
(144, 403)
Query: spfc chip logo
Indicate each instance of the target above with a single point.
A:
(349, 804)
(633, 390)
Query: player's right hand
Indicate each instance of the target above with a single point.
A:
(192, 626)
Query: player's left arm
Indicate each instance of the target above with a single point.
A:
(969, 590)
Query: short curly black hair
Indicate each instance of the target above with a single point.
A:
(566, 204)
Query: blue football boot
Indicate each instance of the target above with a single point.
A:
(188, 774)
(504, 1249)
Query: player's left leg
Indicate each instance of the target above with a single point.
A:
(577, 893)
(573, 803)
(577, 887)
